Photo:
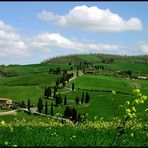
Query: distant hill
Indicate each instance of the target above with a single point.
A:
(91, 58)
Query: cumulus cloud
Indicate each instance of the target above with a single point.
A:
(11, 43)
(48, 41)
(92, 19)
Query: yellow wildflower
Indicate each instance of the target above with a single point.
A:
(133, 109)
(144, 97)
(3, 122)
(127, 102)
(136, 91)
(128, 110)
(6, 142)
(136, 100)
(113, 92)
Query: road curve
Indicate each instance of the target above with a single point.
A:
(12, 112)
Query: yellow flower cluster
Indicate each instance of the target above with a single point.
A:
(131, 110)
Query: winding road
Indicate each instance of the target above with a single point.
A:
(12, 112)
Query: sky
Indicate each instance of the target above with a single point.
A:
(31, 32)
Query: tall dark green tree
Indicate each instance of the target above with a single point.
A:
(40, 105)
(74, 114)
(77, 100)
(51, 109)
(65, 100)
(57, 82)
(73, 87)
(87, 98)
(23, 104)
(55, 90)
(28, 105)
(58, 99)
(46, 108)
(48, 92)
(82, 99)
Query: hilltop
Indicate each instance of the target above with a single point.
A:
(93, 58)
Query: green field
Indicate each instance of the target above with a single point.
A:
(33, 68)
(21, 93)
(23, 82)
(119, 65)
(100, 82)
(29, 80)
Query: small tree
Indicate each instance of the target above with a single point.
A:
(40, 105)
(73, 87)
(74, 114)
(82, 99)
(51, 109)
(58, 99)
(55, 90)
(28, 105)
(23, 104)
(65, 100)
(77, 100)
(48, 92)
(87, 98)
(46, 108)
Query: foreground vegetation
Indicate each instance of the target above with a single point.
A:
(53, 133)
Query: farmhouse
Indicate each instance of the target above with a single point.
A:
(5, 102)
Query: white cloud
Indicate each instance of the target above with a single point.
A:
(48, 41)
(93, 19)
(11, 43)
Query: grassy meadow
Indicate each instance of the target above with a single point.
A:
(23, 82)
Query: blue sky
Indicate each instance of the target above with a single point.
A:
(33, 31)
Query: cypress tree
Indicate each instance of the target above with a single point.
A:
(45, 92)
(87, 98)
(55, 90)
(73, 87)
(48, 92)
(28, 105)
(51, 109)
(82, 99)
(74, 115)
(65, 100)
(46, 108)
(40, 105)
(77, 100)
